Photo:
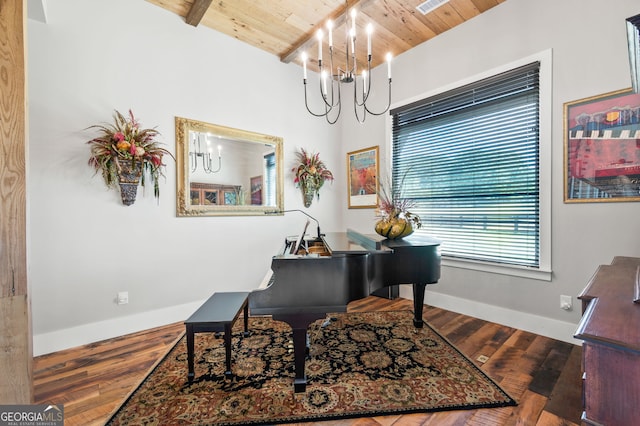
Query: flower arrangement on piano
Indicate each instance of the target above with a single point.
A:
(123, 152)
(310, 174)
(396, 221)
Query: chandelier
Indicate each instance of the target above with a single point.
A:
(332, 80)
(196, 153)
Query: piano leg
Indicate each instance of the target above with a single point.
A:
(299, 324)
(190, 350)
(418, 303)
(300, 353)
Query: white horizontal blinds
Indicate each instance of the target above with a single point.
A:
(471, 159)
(270, 180)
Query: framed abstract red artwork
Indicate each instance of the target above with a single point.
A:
(362, 181)
(602, 148)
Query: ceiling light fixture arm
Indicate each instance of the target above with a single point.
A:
(328, 108)
(362, 107)
(331, 101)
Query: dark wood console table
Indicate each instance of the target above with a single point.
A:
(610, 331)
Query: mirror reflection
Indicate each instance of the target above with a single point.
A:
(225, 171)
(633, 41)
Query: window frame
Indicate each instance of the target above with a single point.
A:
(269, 176)
(544, 270)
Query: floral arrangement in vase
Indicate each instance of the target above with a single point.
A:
(310, 174)
(396, 221)
(125, 153)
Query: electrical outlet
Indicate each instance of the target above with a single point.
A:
(123, 298)
(482, 359)
(566, 302)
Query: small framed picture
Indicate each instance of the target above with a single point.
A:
(602, 148)
(256, 190)
(362, 181)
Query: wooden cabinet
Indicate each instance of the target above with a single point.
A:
(204, 194)
(610, 331)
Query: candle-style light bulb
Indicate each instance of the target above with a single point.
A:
(369, 32)
(352, 36)
(389, 64)
(219, 150)
(304, 65)
(319, 35)
(330, 29)
(364, 81)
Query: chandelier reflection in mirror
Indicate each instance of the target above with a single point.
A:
(330, 91)
(196, 152)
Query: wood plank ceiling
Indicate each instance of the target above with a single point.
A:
(285, 28)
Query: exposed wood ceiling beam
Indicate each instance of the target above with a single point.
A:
(197, 11)
(287, 27)
(338, 17)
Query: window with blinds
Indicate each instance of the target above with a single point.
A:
(469, 160)
(270, 179)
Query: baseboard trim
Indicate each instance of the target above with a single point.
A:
(548, 327)
(58, 340)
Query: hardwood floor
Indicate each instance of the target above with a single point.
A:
(542, 374)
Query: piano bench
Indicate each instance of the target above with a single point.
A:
(217, 314)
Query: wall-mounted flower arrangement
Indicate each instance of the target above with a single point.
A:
(126, 155)
(310, 174)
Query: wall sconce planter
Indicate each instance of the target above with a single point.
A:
(124, 153)
(129, 174)
(308, 191)
(310, 174)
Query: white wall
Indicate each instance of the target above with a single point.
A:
(84, 246)
(94, 56)
(588, 41)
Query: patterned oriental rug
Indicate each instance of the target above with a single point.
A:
(359, 364)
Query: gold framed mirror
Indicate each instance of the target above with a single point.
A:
(222, 171)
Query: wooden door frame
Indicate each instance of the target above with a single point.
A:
(16, 335)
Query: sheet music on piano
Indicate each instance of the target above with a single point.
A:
(300, 240)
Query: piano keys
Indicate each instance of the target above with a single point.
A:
(312, 278)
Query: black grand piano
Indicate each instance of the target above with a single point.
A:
(310, 278)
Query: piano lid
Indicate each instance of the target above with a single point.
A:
(353, 242)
